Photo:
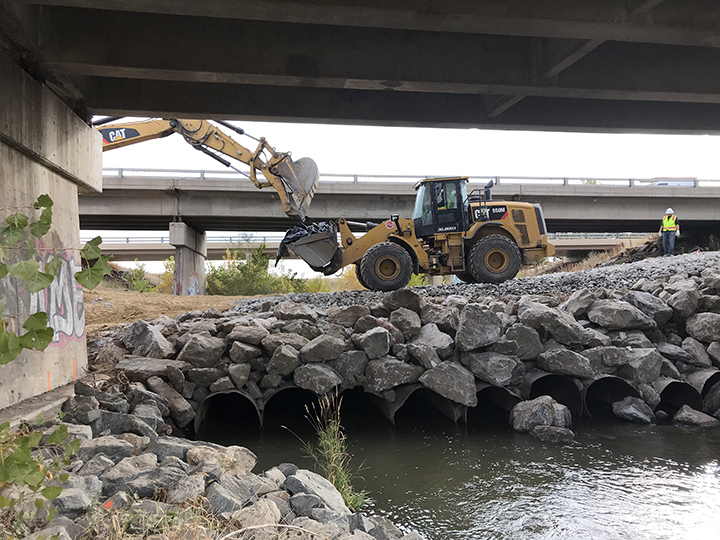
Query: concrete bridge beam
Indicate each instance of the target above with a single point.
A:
(190, 255)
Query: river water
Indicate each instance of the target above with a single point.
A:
(482, 481)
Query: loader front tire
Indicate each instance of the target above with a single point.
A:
(386, 267)
(494, 259)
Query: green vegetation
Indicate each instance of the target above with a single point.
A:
(23, 470)
(331, 454)
(237, 276)
(137, 280)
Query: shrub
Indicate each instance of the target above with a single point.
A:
(137, 280)
(250, 276)
(166, 281)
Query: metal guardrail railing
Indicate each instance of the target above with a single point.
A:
(266, 238)
(393, 178)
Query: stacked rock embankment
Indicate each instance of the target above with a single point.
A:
(640, 342)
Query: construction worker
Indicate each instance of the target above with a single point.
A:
(670, 229)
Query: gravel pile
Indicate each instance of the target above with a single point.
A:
(563, 283)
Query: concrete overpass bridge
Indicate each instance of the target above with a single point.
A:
(207, 200)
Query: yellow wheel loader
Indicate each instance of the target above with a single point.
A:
(295, 181)
(451, 232)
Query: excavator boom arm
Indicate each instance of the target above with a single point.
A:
(295, 182)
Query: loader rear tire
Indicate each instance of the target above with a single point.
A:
(386, 267)
(494, 259)
(466, 277)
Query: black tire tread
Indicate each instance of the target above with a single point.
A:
(478, 270)
(367, 265)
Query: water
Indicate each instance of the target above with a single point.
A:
(461, 482)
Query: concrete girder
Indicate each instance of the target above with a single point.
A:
(208, 50)
(653, 21)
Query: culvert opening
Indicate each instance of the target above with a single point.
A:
(601, 394)
(287, 409)
(675, 395)
(421, 406)
(226, 418)
(561, 388)
(493, 408)
(358, 411)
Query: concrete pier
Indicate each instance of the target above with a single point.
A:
(45, 148)
(190, 256)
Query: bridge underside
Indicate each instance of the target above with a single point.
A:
(596, 65)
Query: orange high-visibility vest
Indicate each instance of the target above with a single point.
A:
(668, 223)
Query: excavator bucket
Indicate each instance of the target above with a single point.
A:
(301, 179)
(315, 243)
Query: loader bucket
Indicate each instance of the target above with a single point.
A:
(317, 249)
(301, 179)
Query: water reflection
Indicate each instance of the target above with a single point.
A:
(459, 482)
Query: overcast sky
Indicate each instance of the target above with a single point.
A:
(466, 152)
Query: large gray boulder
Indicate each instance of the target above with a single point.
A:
(618, 315)
(112, 447)
(403, 298)
(288, 311)
(273, 341)
(127, 470)
(675, 353)
(204, 377)
(634, 339)
(651, 305)
(252, 335)
(385, 373)
(244, 352)
(202, 351)
(605, 359)
(561, 325)
(351, 366)
(713, 351)
(494, 368)
(140, 368)
(528, 340)
(478, 327)
(578, 302)
(304, 481)
(407, 321)
(642, 366)
(322, 349)
(425, 355)
(688, 416)
(180, 410)
(684, 302)
(347, 316)
(239, 374)
(565, 362)
(704, 327)
(185, 489)
(144, 339)
(453, 381)
(284, 361)
(318, 378)
(633, 409)
(445, 317)
(431, 336)
(376, 342)
(697, 352)
(541, 411)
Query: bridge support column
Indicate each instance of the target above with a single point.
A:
(190, 255)
(45, 148)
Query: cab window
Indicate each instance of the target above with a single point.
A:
(423, 206)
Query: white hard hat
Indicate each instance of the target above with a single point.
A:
(669, 211)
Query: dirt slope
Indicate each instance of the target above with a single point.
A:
(107, 306)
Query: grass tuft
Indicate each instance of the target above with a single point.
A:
(330, 453)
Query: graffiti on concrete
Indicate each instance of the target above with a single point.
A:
(63, 302)
(193, 285)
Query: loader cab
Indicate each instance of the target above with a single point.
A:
(440, 206)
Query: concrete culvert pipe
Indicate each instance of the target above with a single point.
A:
(599, 395)
(227, 413)
(559, 387)
(674, 394)
(703, 380)
(494, 405)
